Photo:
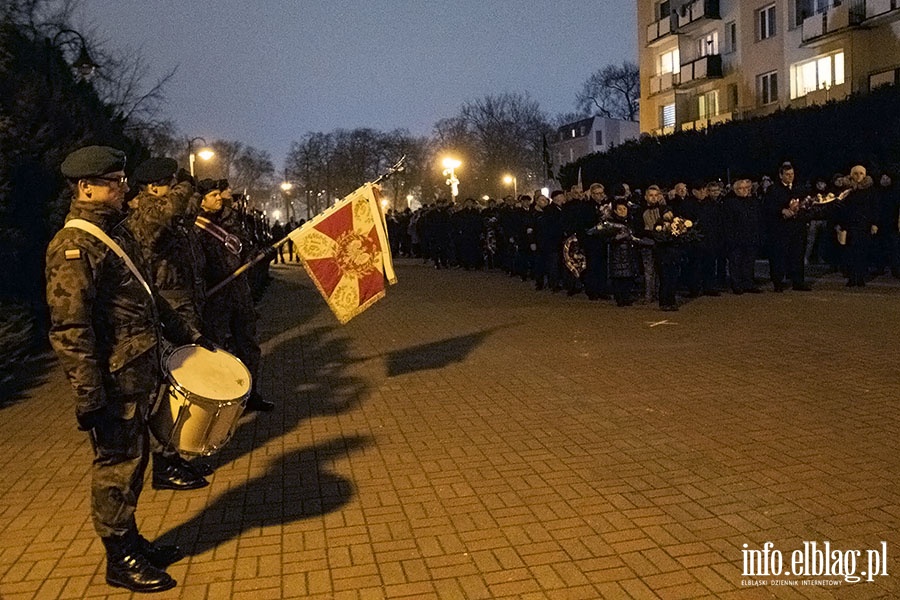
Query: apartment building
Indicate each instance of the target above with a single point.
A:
(708, 61)
(593, 134)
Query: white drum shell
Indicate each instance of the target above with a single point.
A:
(206, 394)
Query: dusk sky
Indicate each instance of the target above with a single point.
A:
(264, 73)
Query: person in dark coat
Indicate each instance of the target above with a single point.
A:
(857, 222)
(595, 249)
(107, 322)
(741, 224)
(549, 236)
(886, 240)
(786, 226)
(617, 230)
(700, 256)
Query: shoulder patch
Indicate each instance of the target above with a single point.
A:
(73, 254)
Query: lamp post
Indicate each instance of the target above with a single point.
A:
(205, 153)
(83, 65)
(511, 179)
(286, 187)
(450, 166)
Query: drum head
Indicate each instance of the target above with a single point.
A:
(215, 375)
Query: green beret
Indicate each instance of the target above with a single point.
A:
(155, 169)
(92, 161)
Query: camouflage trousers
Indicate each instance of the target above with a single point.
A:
(121, 446)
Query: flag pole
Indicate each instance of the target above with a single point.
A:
(264, 252)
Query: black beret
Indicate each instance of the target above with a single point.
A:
(92, 161)
(155, 169)
(205, 186)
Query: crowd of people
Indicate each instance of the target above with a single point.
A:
(697, 238)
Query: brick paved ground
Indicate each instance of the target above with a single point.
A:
(470, 438)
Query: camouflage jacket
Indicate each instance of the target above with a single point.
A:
(101, 317)
(172, 248)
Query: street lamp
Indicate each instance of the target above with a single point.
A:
(511, 179)
(286, 187)
(83, 65)
(450, 166)
(204, 153)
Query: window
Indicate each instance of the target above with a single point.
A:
(730, 36)
(889, 77)
(667, 115)
(767, 88)
(670, 62)
(766, 20)
(598, 137)
(709, 44)
(663, 10)
(819, 73)
(708, 104)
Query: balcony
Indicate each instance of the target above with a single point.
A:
(834, 20)
(661, 83)
(701, 124)
(697, 11)
(879, 8)
(696, 71)
(658, 31)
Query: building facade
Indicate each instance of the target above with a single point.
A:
(590, 135)
(707, 61)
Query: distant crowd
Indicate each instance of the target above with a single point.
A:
(697, 238)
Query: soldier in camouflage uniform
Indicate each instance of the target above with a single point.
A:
(105, 328)
(229, 317)
(172, 251)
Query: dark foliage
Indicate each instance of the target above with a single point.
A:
(818, 140)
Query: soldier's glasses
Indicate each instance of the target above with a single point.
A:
(120, 179)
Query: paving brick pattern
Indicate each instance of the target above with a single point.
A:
(470, 438)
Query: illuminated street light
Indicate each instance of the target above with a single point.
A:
(511, 180)
(205, 153)
(286, 186)
(450, 166)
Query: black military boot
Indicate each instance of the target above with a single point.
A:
(127, 568)
(159, 555)
(175, 474)
(258, 403)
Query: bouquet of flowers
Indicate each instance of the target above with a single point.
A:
(675, 229)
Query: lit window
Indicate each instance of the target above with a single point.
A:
(819, 73)
(709, 44)
(669, 62)
(766, 20)
(709, 104)
(667, 115)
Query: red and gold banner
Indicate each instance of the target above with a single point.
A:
(345, 250)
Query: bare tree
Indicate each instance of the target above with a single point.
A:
(501, 134)
(613, 91)
(253, 170)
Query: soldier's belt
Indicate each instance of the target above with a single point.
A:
(232, 242)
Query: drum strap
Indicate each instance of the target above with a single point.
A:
(231, 241)
(101, 235)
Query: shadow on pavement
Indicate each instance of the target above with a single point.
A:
(298, 486)
(22, 375)
(304, 374)
(436, 355)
